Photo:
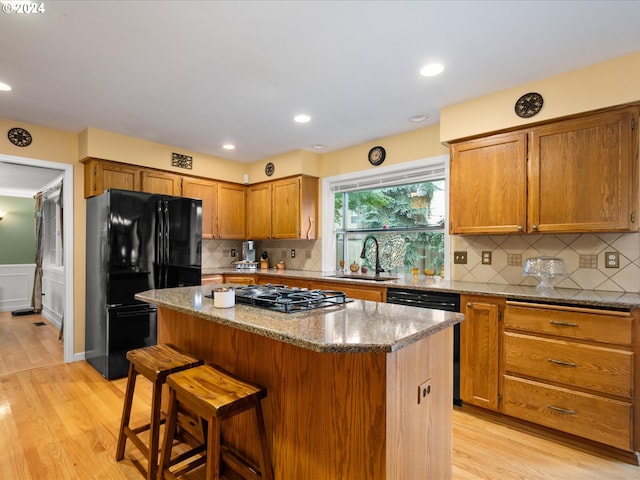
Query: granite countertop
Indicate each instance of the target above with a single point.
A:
(594, 298)
(358, 326)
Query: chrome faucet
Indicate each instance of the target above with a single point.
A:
(379, 269)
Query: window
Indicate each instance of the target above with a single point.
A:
(405, 211)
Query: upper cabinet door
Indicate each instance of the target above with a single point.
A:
(232, 207)
(207, 191)
(583, 174)
(285, 208)
(161, 183)
(259, 204)
(488, 185)
(101, 175)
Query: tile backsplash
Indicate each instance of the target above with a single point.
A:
(217, 253)
(584, 256)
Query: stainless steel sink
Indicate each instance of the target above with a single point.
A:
(371, 278)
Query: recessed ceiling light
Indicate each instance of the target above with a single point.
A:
(318, 146)
(418, 118)
(302, 118)
(4, 87)
(432, 70)
(228, 146)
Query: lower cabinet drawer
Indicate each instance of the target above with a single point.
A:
(589, 416)
(602, 369)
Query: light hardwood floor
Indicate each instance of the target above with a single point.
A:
(59, 421)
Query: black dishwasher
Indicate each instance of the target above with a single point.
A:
(447, 301)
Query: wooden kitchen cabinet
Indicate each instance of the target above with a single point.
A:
(207, 191)
(161, 183)
(571, 369)
(358, 292)
(488, 185)
(100, 175)
(223, 207)
(572, 175)
(259, 204)
(480, 350)
(283, 209)
(231, 211)
(583, 174)
(294, 208)
(242, 278)
(289, 282)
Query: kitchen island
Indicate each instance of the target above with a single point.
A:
(359, 390)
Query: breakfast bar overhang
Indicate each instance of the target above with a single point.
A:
(360, 390)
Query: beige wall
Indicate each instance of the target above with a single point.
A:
(614, 82)
(121, 148)
(62, 147)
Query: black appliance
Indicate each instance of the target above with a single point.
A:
(281, 298)
(447, 301)
(135, 242)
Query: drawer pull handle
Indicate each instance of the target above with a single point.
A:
(563, 324)
(560, 362)
(561, 410)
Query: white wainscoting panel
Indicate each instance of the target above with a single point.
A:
(53, 299)
(16, 286)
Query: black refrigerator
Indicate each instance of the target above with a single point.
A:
(135, 242)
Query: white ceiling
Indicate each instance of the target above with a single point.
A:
(197, 74)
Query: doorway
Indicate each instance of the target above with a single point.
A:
(67, 172)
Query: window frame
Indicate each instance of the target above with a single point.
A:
(408, 172)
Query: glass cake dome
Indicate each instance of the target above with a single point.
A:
(544, 268)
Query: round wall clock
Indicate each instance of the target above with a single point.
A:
(269, 169)
(377, 155)
(529, 105)
(19, 137)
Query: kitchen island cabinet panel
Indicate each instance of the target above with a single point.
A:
(334, 415)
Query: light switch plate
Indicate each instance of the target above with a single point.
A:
(460, 257)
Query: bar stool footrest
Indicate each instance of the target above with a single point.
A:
(238, 464)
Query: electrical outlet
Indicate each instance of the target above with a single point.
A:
(486, 257)
(233, 252)
(424, 389)
(293, 253)
(460, 258)
(611, 260)
(307, 254)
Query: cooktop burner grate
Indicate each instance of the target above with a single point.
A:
(281, 298)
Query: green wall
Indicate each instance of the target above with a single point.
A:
(17, 231)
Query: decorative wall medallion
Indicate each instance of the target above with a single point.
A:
(181, 161)
(19, 137)
(529, 105)
(377, 155)
(269, 169)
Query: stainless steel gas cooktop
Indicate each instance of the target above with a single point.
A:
(281, 298)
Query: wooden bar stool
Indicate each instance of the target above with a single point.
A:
(155, 363)
(214, 395)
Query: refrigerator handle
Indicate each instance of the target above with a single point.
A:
(160, 246)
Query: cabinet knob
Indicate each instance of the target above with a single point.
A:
(520, 228)
(469, 305)
(535, 228)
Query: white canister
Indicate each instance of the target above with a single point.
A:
(224, 297)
